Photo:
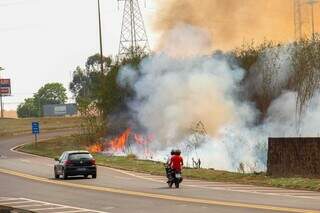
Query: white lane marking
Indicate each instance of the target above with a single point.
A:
(30, 205)
(72, 211)
(25, 160)
(48, 208)
(253, 192)
(14, 202)
(108, 208)
(40, 205)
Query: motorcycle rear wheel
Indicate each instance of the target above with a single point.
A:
(177, 184)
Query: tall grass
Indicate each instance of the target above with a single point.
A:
(266, 65)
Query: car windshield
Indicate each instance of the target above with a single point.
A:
(78, 156)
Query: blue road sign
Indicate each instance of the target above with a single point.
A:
(35, 128)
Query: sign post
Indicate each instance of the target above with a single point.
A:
(35, 131)
(5, 90)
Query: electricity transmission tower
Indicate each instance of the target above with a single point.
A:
(297, 19)
(133, 34)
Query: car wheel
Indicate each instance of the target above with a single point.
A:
(64, 175)
(94, 176)
(56, 176)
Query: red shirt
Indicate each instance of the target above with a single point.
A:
(176, 162)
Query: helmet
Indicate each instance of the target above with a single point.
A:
(178, 152)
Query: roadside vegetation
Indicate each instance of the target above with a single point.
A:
(54, 147)
(51, 93)
(11, 126)
(99, 97)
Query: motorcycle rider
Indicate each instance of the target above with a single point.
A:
(168, 166)
(176, 161)
(174, 173)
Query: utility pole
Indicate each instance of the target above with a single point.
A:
(133, 34)
(100, 36)
(297, 19)
(1, 100)
(312, 3)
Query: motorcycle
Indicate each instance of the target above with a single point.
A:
(174, 177)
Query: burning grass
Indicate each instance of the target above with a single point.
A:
(54, 147)
(121, 145)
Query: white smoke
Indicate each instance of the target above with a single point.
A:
(174, 92)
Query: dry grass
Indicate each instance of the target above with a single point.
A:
(263, 66)
(11, 126)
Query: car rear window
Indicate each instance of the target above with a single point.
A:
(78, 156)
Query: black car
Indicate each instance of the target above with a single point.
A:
(73, 163)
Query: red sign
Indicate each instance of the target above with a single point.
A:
(5, 87)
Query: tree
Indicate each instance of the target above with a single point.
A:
(28, 109)
(51, 93)
(91, 88)
(98, 94)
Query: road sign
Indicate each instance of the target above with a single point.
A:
(5, 87)
(35, 128)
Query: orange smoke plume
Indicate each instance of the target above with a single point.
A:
(231, 22)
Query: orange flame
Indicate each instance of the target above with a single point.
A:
(95, 148)
(119, 143)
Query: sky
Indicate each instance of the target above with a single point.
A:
(42, 41)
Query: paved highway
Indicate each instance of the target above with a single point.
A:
(26, 181)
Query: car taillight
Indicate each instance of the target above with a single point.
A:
(93, 161)
(68, 163)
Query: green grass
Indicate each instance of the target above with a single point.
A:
(54, 147)
(11, 126)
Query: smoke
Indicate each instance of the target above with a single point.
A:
(188, 41)
(231, 22)
(174, 91)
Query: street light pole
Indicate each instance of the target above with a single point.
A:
(100, 35)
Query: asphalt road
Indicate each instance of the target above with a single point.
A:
(30, 178)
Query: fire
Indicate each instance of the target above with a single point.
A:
(139, 139)
(95, 148)
(144, 141)
(119, 143)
